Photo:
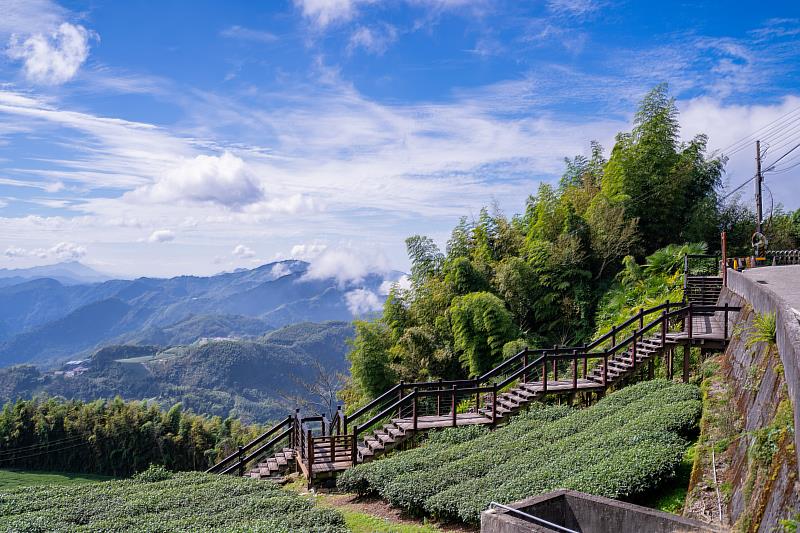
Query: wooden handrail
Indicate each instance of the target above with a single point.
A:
(360, 428)
(260, 451)
(360, 411)
(237, 454)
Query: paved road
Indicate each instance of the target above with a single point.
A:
(784, 281)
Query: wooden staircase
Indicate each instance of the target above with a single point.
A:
(319, 447)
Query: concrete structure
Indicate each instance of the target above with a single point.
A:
(584, 513)
(777, 290)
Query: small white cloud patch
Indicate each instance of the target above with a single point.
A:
(345, 265)
(404, 284)
(363, 301)
(307, 251)
(280, 269)
(243, 252)
(161, 235)
(51, 59)
(64, 251)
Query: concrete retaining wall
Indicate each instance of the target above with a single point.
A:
(773, 297)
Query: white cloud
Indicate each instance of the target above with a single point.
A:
(403, 283)
(363, 301)
(373, 40)
(346, 265)
(325, 12)
(64, 251)
(574, 7)
(223, 180)
(280, 269)
(161, 235)
(67, 251)
(52, 58)
(247, 34)
(304, 252)
(290, 205)
(14, 251)
(243, 252)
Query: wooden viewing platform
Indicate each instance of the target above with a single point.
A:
(320, 447)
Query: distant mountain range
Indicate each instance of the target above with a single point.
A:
(254, 379)
(66, 273)
(45, 316)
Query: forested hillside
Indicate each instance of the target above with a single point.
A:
(255, 380)
(538, 278)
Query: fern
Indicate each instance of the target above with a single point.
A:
(764, 330)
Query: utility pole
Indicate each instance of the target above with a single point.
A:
(759, 236)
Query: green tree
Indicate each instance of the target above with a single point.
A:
(481, 327)
(370, 364)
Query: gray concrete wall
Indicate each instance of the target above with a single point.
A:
(584, 512)
(780, 294)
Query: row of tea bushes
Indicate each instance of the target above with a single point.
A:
(158, 502)
(626, 444)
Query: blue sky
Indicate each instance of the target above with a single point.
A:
(158, 138)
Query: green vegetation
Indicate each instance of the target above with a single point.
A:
(181, 502)
(764, 330)
(12, 479)
(112, 438)
(582, 256)
(625, 445)
(364, 523)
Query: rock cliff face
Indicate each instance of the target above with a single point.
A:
(749, 421)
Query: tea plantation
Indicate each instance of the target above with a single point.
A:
(158, 501)
(625, 445)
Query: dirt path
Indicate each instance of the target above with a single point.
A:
(381, 509)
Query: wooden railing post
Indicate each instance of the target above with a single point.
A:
(544, 372)
(400, 397)
(297, 428)
(555, 362)
(354, 444)
(310, 457)
(690, 325)
(525, 365)
(338, 419)
(439, 399)
(633, 352)
(641, 319)
(605, 369)
(585, 361)
(613, 335)
(494, 403)
(663, 329)
(453, 405)
(333, 448)
(574, 369)
(239, 457)
(414, 409)
(725, 321)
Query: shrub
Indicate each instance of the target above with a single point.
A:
(624, 445)
(179, 502)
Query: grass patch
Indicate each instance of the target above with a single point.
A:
(365, 523)
(12, 479)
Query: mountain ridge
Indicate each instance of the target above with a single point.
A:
(234, 304)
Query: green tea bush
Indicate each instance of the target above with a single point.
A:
(626, 444)
(180, 502)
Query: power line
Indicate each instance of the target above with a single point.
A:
(44, 452)
(57, 442)
(772, 166)
(744, 142)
